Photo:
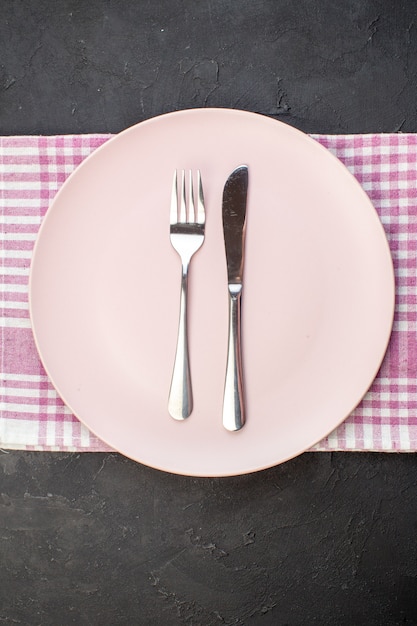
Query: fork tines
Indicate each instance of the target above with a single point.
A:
(179, 213)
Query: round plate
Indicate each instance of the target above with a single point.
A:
(317, 303)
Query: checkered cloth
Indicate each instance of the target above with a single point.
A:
(32, 169)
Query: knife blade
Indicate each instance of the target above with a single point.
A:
(234, 227)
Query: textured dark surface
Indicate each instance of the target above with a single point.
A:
(327, 539)
(321, 65)
(98, 539)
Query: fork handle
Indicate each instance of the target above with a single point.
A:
(233, 400)
(180, 401)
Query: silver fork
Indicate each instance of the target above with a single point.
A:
(187, 223)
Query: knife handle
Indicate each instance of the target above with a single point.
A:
(233, 400)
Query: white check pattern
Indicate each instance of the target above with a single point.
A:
(33, 417)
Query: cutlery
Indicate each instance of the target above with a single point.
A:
(187, 225)
(234, 226)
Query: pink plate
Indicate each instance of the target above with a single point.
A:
(317, 303)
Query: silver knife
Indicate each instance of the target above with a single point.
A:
(234, 225)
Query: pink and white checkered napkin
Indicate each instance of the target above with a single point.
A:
(33, 417)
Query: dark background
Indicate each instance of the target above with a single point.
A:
(327, 538)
